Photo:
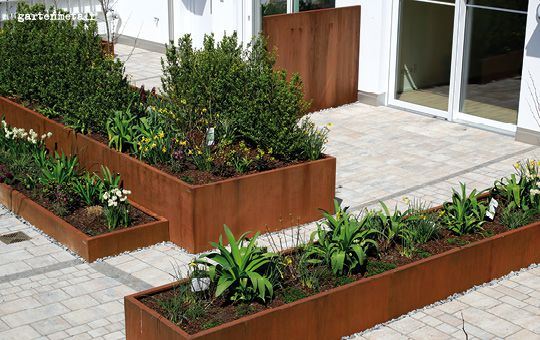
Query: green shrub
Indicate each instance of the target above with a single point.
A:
(521, 190)
(60, 65)
(237, 91)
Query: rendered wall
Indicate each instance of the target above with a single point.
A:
(529, 113)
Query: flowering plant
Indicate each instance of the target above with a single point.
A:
(116, 208)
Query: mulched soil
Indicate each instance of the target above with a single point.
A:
(220, 311)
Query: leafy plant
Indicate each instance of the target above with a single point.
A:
(90, 188)
(241, 272)
(122, 130)
(521, 190)
(110, 181)
(465, 214)
(344, 246)
(57, 170)
(514, 218)
(392, 226)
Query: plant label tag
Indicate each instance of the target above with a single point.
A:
(493, 204)
(210, 134)
(199, 284)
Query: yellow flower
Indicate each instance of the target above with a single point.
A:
(199, 152)
(288, 261)
(183, 101)
(190, 152)
(183, 143)
(203, 110)
(161, 134)
(163, 149)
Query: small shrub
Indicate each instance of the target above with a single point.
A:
(183, 306)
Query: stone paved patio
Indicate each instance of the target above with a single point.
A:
(383, 154)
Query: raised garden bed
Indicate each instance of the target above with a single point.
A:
(269, 200)
(362, 304)
(88, 247)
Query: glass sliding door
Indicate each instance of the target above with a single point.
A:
(459, 59)
(493, 59)
(424, 53)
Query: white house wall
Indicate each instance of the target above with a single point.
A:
(529, 116)
(374, 43)
(147, 20)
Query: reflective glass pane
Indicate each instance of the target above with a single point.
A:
(309, 5)
(425, 53)
(520, 5)
(492, 64)
(274, 7)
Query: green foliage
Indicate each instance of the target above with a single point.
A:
(393, 225)
(121, 130)
(521, 190)
(243, 272)
(291, 294)
(513, 218)
(465, 214)
(90, 188)
(183, 306)
(237, 91)
(377, 267)
(110, 181)
(57, 170)
(59, 65)
(343, 243)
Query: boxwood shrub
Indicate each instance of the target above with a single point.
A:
(58, 67)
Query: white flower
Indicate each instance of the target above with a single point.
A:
(106, 196)
(126, 192)
(123, 199)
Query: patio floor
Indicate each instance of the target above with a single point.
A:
(383, 154)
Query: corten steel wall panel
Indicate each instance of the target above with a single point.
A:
(516, 249)
(272, 199)
(335, 313)
(5, 195)
(323, 46)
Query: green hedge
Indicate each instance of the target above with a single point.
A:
(59, 66)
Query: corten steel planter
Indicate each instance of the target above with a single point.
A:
(88, 247)
(269, 200)
(359, 305)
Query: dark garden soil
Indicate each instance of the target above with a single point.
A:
(89, 220)
(219, 310)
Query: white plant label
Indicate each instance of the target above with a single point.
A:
(199, 284)
(210, 135)
(493, 204)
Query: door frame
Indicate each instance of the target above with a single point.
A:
(456, 72)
